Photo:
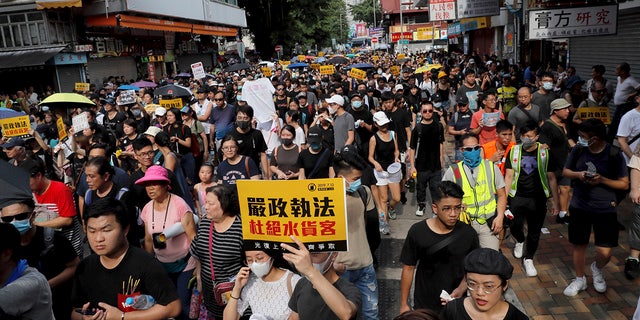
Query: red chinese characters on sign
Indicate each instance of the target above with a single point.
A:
(404, 35)
(288, 228)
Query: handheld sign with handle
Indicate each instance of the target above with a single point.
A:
(16, 126)
(266, 71)
(358, 74)
(171, 103)
(62, 131)
(198, 70)
(327, 70)
(395, 70)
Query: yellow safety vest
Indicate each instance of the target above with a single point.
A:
(515, 156)
(480, 199)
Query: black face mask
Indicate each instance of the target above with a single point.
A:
(243, 124)
(287, 142)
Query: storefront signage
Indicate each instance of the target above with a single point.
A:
(155, 58)
(396, 36)
(312, 210)
(69, 58)
(478, 8)
(474, 24)
(83, 48)
(16, 126)
(454, 29)
(442, 10)
(573, 22)
(82, 86)
(425, 33)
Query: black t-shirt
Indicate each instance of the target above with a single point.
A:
(460, 121)
(281, 105)
(182, 132)
(442, 270)
(327, 138)
(114, 125)
(250, 144)
(94, 283)
(52, 261)
(307, 302)
(553, 136)
(455, 310)
(363, 134)
(529, 183)
(400, 121)
(431, 137)
(308, 160)
(136, 233)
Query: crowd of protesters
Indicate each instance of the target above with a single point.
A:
(153, 189)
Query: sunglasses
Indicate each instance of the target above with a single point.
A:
(475, 148)
(427, 111)
(20, 216)
(219, 99)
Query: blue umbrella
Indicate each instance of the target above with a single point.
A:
(361, 66)
(298, 65)
(9, 113)
(128, 87)
(321, 59)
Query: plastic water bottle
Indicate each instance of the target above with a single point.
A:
(141, 302)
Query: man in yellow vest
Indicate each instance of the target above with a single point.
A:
(485, 198)
(531, 180)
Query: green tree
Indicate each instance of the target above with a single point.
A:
(363, 11)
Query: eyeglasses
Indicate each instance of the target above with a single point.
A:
(491, 100)
(216, 99)
(147, 154)
(427, 111)
(228, 148)
(447, 210)
(523, 97)
(486, 288)
(474, 148)
(279, 89)
(20, 216)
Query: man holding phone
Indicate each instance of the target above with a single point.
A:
(460, 123)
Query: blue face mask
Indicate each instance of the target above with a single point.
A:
(582, 142)
(356, 104)
(22, 225)
(239, 97)
(353, 186)
(315, 146)
(471, 158)
(313, 87)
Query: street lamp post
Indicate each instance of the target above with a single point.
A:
(374, 13)
(401, 27)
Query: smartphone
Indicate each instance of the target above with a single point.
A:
(87, 312)
(589, 175)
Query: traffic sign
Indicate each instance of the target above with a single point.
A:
(278, 48)
(374, 40)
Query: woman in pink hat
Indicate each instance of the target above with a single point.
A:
(169, 228)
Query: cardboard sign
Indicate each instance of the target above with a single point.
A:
(312, 210)
(62, 131)
(198, 70)
(315, 66)
(80, 122)
(127, 97)
(171, 103)
(601, 113)
(284, 63)
(395, 70)
(401, 56)
(16, 126)
(301, 58)
(266, 71)
(358, 74)
(324, 70)
(82, 86)
(490, 119)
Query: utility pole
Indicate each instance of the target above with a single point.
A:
(374, 13)
(401, 27)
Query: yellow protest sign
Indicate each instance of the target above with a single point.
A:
(315, 66)
(82, 86)
(401, 56)
(171, 103)
(312, 210)
(16, 126)
(266, 71)
(601, 113)
(284, 63)
(150, 108)
(375, 58)
(358, 74)
(301, 57)
(62, 130)
(395, 70)
(321, 54)
(326, 70)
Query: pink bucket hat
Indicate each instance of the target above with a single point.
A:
(154, 173)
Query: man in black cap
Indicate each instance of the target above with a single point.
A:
(113, 119)
(460, 123)
(316, 161)
(487, 274)
(363, 123)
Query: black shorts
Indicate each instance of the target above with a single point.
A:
(605, 228)
(561, 180)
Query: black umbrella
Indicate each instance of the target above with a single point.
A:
(338, 60)
(15, 184)
(172, 91)
(237, 67)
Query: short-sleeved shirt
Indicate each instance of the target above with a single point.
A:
(441, 270)
(529, 183)
(598, 198)
(250, 143)
(182, 132)
(518, 116)
(307, 302)
(58, 198)
(359, 254)
(471, 94)
(228, 173)
(157, 222)
(94, 283)
(363, 133)
(625, 89)
(544, 102)
(286, 160)
(223, 120)
(460, 121)
(342, 124)
(308, 160)
(400, 121)
(490, 149)
(28, 297)
(487, 133)
(630, 128)
(455, 310)
(431, 136)
(553, 136)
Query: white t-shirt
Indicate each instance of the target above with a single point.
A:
(629, 128)
(625, 89)
(300, 139)
(270, 299)
(201, 109)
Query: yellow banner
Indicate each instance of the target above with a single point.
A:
(395, 70)
(312, 210)
(358, 74)
(82, 86)
(266, 71)
(171, 103)
(62, 131)
(284, 63)
(601, 113)
(327, 70)
(401, 56)
(315, 66)
(16, 126)
(301, 58)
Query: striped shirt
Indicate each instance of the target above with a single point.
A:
(227, 255)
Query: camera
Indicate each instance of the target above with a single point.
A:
(159, 240)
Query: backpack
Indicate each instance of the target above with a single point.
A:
(456, 116)
(49, 234)
(195, 146)
(88, 197)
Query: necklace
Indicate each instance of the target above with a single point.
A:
(153, 215)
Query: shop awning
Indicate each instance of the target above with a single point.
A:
(147, 23)
(27, 57)
(52, 4)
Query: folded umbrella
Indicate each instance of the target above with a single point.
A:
(15, 184)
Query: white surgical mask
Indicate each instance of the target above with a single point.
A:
(261, 269)
(547, 85)
(324, 266)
